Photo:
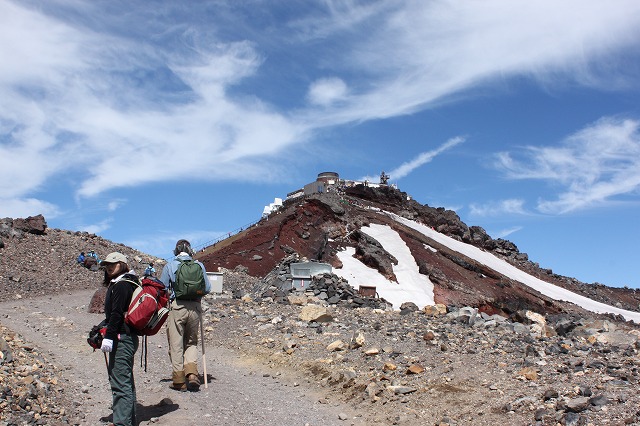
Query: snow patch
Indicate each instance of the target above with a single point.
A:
(508, 270)
(412, 286)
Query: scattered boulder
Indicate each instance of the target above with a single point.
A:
(96, 304)
(315, 313)
(433, 310)
(32, 225)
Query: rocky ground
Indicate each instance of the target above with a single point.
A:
(70, 385)
(299, 360)
(432, 368)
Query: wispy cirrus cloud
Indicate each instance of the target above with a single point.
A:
(97, 228)
(503, 233)
(423, 52)
(113, 205)
(406, 168)
(498, 208)
(116, 106)
(596, 165)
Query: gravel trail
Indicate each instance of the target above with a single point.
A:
(240, 391)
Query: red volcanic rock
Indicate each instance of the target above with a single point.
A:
(318, 226)
(32, 225)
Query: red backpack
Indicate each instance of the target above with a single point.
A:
(149, 307)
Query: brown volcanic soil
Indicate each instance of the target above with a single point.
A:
(301, 229)
(320, 226)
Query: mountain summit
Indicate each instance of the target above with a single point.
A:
(375, 235)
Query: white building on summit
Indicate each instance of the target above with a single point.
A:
(277, 204)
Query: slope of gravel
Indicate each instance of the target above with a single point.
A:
(240, 391)
(36, 265)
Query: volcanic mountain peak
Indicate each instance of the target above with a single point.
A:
(345, 225)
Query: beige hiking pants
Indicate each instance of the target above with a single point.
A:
(183, 326)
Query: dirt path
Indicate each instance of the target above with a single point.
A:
(240, 392)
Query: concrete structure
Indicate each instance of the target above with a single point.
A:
(216, 279)
(295, 194)
(302, 272)
(323, 183)
(330, 178)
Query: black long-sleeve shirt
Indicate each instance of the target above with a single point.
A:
(116, 304)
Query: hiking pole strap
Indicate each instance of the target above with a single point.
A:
(146, 353)
(143, 353)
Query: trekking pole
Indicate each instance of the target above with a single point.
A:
(106, 361)
(204, 362)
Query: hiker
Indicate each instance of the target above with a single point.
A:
(184, 317)
(80, 258)
(94, 255)
(119, 341)
(150, 271)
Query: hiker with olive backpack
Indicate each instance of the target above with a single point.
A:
(186, 280)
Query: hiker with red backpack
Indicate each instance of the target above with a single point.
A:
(120, 342)
(186, 280)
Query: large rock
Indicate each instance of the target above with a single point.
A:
(32, 225)
(6, 355)
(315, 313)
(96, 305)
(538, 323)
(434, 310)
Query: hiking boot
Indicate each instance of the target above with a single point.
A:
(193, 383)
(177, 379)
(181, 387)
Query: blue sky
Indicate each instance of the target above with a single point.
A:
(146, 122)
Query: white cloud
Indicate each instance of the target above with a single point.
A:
(511, 206)
(25, 207)
(327, 91)
(593, 166)
(115, 205)
(424, 158)
(127, 111)
(93, 116)
(97, 228)
(506, 232)
(423, 52)
(35, 43)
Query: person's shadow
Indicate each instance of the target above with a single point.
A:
(146, 413)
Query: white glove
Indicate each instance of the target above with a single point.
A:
(107, 345)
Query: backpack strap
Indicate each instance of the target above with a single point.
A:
(130, 278)
(172, 292)
(137, 286)
(143, 353)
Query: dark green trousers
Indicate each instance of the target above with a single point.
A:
(123, 387)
